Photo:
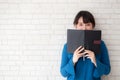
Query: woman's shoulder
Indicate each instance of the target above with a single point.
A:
(103, 46)
(65, 49)
(102, 43)
(65, 45)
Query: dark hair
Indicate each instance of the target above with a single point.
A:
(87, 17)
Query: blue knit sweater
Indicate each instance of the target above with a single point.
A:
(85, 70)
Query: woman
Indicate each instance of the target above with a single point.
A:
(72, 65)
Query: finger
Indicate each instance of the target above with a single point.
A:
(82, 50)
(80, 55)
(79, 48)
(86, 55)
(87, 52)
(79, 52)
(89, 57)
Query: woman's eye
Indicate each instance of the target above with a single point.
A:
(87, 24)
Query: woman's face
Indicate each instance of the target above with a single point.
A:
(83, 26)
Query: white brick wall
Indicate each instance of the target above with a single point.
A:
(32, 34)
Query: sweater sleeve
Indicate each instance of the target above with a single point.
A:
(67, 66)
(103, 64)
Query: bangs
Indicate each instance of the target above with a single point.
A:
(86, 19)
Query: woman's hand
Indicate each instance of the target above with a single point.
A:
(91, 55)
(77, 54)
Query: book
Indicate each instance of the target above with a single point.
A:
(89, 39)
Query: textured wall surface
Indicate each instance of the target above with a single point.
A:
(33, 32)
